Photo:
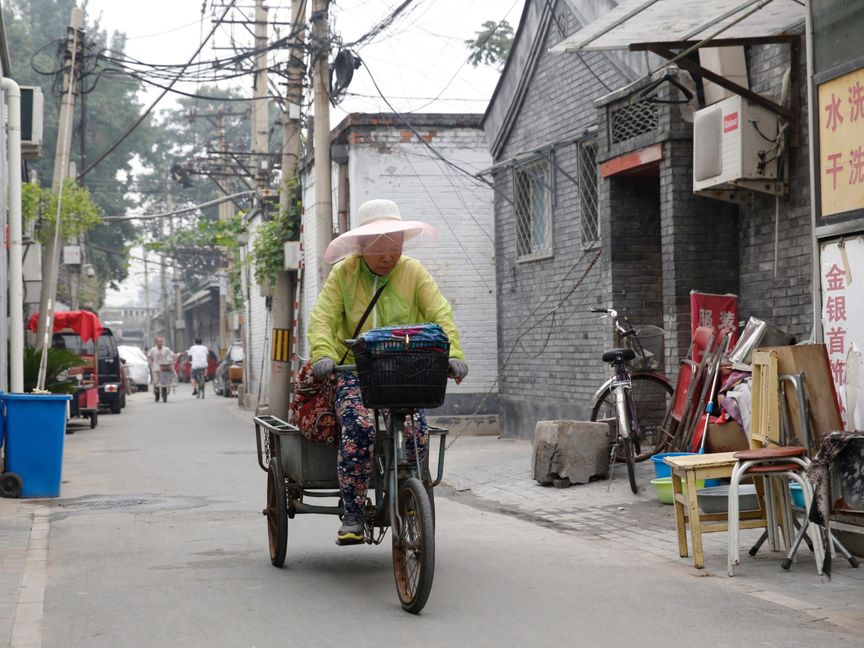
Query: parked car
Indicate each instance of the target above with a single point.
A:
(183, 366)
(229, 373)
(112, 378)
(137, 367)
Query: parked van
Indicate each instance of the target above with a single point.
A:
(112, 393)
(112, 384)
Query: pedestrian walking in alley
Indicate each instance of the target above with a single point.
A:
(198, 354)
(370, 260)
(162, 368)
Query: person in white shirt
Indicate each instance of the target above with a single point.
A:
(198, 354)
(162, 367)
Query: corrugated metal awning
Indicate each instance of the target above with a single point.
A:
(641, 21)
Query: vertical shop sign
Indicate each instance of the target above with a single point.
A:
(841, 143)
(842, 273)
(716, 311)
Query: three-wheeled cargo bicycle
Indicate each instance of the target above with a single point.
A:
(401, 376)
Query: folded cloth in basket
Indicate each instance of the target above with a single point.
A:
(409, 337)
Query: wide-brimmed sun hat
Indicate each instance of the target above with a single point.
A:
(376, 220)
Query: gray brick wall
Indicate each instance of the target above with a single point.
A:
(782, 297)
(659, 241)
(549, 358)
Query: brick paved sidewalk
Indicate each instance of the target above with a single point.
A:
(495, 474)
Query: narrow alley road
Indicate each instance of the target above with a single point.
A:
(158, 540)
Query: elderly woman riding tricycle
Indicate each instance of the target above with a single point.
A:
(401, 368)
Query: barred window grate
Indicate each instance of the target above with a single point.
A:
(533, 198)
(632, 120)
(588, 179)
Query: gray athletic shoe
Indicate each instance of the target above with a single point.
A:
(351, 531)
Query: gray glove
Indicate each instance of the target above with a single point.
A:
(323, 369)
(458, 369)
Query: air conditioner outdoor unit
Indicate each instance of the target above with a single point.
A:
(31, 122)
(735, 145)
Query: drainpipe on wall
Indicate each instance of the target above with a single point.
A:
(16, 280)
(344, 209)
(816, 275)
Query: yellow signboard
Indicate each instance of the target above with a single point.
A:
(841, 143)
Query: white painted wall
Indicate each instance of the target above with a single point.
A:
(258, 327)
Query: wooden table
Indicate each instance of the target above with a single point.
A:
(690, 469)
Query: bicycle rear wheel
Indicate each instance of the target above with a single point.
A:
(651, 396)
(277, 513)
(414, 546)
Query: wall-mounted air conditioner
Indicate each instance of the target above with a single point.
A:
(735, 146)
(31, 122)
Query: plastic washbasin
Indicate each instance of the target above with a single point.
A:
(663, 488)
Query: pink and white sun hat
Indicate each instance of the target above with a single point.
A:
(377, 219)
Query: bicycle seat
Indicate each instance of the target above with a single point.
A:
(618, 355)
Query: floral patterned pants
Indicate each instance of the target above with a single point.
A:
(358, 440)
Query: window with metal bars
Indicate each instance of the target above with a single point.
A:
(532, 183)
(588, 179)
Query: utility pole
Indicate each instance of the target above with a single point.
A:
(284, 293)
(323, 180)
(260, 103)
(73, 270)
(261, 166)
(176, 314)
(51, 251)
(163, 283)
(147, 341)
(224, 214)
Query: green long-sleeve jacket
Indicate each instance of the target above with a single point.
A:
(411, 297)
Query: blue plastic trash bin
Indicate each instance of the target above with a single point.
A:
(35, 428)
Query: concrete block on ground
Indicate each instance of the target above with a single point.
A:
(569, 452)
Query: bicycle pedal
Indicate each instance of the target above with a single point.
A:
(344, 542)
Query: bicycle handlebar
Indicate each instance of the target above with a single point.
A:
(623, 331)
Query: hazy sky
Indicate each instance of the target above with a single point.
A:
(419, 62)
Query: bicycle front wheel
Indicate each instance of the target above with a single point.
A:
(630, 460)
(651, 396)
(414, 546)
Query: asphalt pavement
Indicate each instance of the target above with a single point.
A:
(495, 474)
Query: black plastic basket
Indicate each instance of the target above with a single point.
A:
(402, 379)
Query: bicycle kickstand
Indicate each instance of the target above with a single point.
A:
(613, 455)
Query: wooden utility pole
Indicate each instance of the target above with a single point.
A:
(163, 292)
(147, 341)
(260, 103)
(284, 295)
(323, 180)
(177, 311)
(261, 166)
(51, 250)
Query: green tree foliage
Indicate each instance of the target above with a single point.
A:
(183, 138)
(105, 107)
(268, 245)
(492, 44)
(78, 212)
(203, 249)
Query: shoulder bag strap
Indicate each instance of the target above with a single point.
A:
(363, 319)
